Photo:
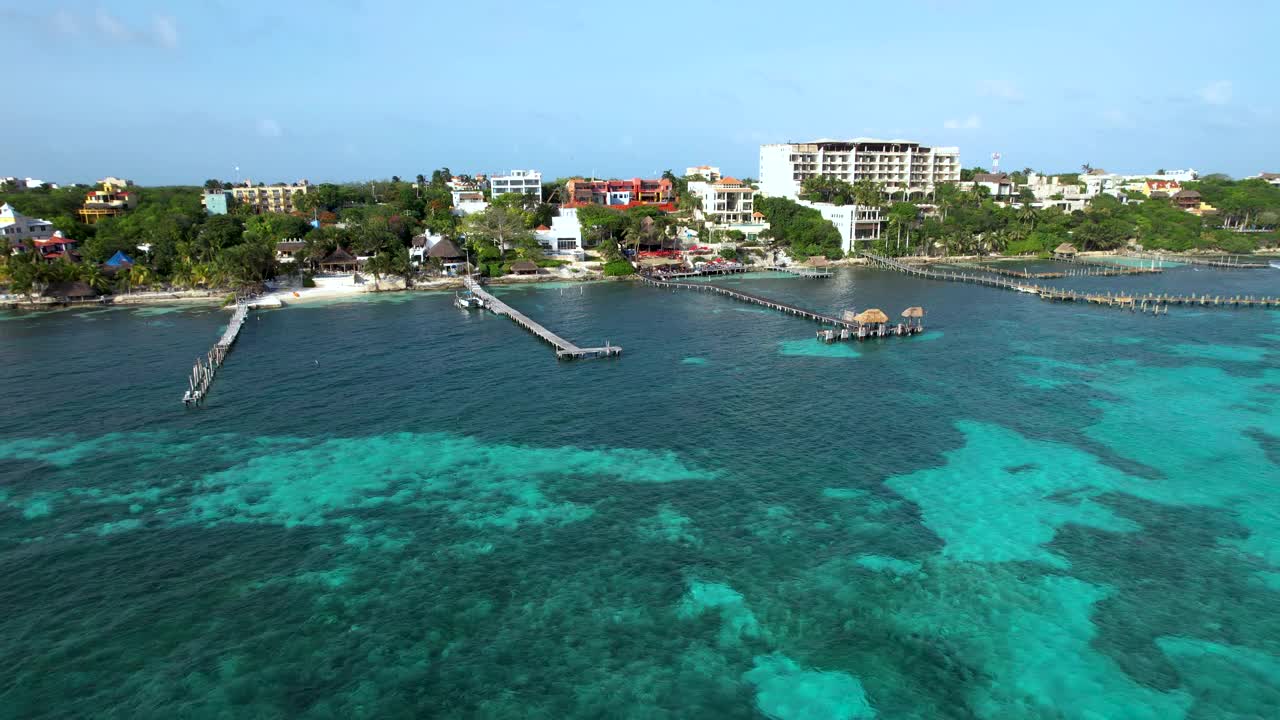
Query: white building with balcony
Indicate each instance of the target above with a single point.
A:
(466, 202)
(725, 201)
(898, 165)
(564, 237)
(856, 223)
(524, 182)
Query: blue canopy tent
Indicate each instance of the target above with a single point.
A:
(119, 259)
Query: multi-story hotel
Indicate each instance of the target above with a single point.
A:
(110, 201)
(899, 165)
(727, 201)
(525, 182)
(270, 198)
(620, 192)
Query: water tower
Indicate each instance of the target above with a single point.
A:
(995, 162)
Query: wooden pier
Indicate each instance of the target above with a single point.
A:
(1146, 302)
(844, 329)
(1092, 270)
(1231, 262)
(804, 272)
(565, 350)
(1113, 267)
(202, 373)
(705, 272)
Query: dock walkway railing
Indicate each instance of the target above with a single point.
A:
(1232, 262)
(204, 370)
(564, 348)
(749, 298)
(1153, 302)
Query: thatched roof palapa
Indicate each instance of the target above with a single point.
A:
(70, 290)
(871, 315)
(1065, 249)
(524, 266)
(913, 312)
(445, 249)
(338, 257)
(817, 261)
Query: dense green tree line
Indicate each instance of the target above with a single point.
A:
(802, 230)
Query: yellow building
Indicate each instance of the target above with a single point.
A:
(110, 201)
(270, 198)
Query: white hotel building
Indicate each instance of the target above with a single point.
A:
(896, 164)
(525, 182)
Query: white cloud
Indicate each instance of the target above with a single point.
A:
(973, 122)
(162, 31)
(165, 29)
(1217, 92)
(111, 26)
(269, 128)
(1000, 89)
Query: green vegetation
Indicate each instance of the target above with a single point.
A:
(970, 223)
(188, 249)
(615, 268)
(821, 188)
(802, 230)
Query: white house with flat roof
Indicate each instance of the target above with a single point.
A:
(466, 202)
(898, 165)
(525, 182)
(709, 172)
(564, 237)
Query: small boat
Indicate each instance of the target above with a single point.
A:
(1027, 289)
(468, 301)
(1275, 265)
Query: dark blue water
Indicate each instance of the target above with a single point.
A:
(390, 507)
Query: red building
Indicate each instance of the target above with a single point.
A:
(57, 247)
(621, 192)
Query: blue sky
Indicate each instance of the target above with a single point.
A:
(167, 92)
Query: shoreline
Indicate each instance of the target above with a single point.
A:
(286, 296)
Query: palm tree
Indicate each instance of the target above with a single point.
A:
(1027, 214)
(91, 275)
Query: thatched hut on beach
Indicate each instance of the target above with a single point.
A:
(339, 261)
(1065, 250)
(67, 291)
(524, 267)
(816, 261)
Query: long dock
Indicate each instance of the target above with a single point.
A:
(842, 329)
(1092, 270)
(804, 272)
(204, 370)
(1116, 269)
(1147, 302)
(749, 298)
(706, 272)
(1231, 262)
(565, 350)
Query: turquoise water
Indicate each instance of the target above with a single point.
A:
(394, 508)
